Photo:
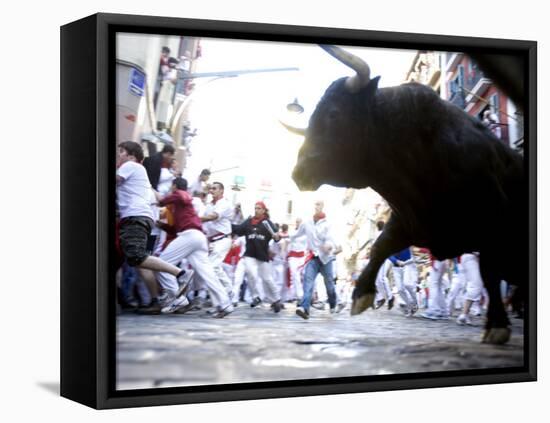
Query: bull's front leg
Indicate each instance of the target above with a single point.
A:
(391, 240)
(497, 326)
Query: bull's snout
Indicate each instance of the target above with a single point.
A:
(303, 175)
(297, 176)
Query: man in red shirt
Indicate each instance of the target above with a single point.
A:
(189, 242)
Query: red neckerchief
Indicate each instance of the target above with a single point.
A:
(255, 220)
(318, 216)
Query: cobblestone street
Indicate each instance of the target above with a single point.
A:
(253, 345)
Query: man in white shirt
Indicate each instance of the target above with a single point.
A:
(217, 225)
(199, 185)
(321, 244)
(136, 223)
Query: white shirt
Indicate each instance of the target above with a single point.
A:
(318, 235)
(165, 181)
(156, 212)
(298, 243)
(279, 251)
(134, 192)
(223, 223)
(199, 206)
(197, 186)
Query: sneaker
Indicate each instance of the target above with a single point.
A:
(428, 315)
(256, 302)
(300, 311)
(319, 305)
(233, 298)
(380, 303)
(176, 304)
(463, 319)
(153, 308)
(196, 304)
(277, 306)
(184, 280)
(390, 303)
(166, 298)
(222, 312)
(340, 307)
(129, 303)
(184, 309)
(432, 315)
(414, 309)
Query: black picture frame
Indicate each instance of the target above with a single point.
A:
(87, 306)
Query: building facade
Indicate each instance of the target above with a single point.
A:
(154, 77)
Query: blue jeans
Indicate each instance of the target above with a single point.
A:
(128, 282)
(313, 268)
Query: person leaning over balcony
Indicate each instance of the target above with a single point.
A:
(136, 221)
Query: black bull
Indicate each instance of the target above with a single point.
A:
(451, 185)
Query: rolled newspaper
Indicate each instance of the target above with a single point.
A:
(268, 227)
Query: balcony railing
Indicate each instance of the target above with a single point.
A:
(471, 81)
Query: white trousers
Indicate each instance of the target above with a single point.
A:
(405, 279)
(474, 283)
(256, 269)
(295, 267)
(279, 279)
(383, 289)
(218, 251)
(436, 302)
(236, 275)
(454, 297)
(193, 246)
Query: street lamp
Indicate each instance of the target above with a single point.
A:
(295, 107)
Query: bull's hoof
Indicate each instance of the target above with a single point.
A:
(362, 303)
(497, 336)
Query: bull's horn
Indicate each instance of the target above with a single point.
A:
(358, 81)
(293, 129)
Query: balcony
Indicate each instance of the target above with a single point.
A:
(476, 86)
(452, 61)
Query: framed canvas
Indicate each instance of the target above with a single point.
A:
(258, 211)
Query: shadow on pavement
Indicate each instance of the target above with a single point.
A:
(52, 387)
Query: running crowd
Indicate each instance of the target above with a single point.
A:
(178, 252)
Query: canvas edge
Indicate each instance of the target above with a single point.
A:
(106, 23)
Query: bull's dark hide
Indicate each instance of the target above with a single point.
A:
(452, 186)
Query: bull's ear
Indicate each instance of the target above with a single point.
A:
(372, 86)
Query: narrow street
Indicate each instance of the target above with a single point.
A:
(254, 344)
